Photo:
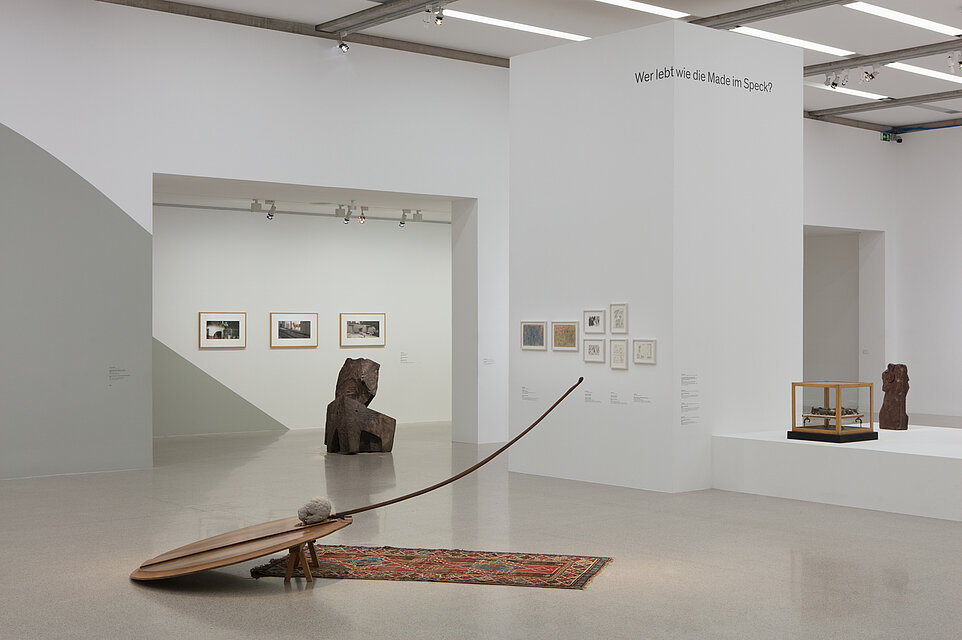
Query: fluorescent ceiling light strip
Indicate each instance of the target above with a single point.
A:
(851, 92)
(647, 8)
(922, 71)
(507, 24)
(805, 44)
(904, 18)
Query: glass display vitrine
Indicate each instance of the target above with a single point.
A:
(836, 414)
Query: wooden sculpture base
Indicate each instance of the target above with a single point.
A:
(242, 545)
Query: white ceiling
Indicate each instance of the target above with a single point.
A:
(834, 25)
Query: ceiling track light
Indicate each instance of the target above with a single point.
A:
(341, 211)
(255, 206)
(845, 78)
(404, 217)
(439, 16)
(272, 210)
(417, 216)
(342, 45)
(363, 217)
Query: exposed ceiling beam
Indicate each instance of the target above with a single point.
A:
(928, 126)
(884, 57)
(875, 105)
(273, 24)
(385, 12)
(762, 12)
(848, 122)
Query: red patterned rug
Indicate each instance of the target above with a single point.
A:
(446, 565)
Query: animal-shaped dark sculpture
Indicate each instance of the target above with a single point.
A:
(351, 426)
(895, 385)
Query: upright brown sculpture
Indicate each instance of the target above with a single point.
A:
(895, 385)
(351, 427)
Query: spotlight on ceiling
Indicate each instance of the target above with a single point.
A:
(272, 210)
(343, 46)
(404, 217)
(845, 78)
(255, 206)
(417, 216)
(341, 211)
(955, 61)
(363, 217)
(439, 16)
(870, 75)
(832, 81)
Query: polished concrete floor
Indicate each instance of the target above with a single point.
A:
(706, 564)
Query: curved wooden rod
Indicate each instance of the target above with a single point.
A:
(466, 471)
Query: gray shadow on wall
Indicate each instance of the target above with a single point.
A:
(188, 401)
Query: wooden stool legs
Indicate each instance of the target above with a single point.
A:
(296, 558)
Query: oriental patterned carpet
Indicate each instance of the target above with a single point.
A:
(446, 565)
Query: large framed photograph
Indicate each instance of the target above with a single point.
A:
(293, 330)
(219, 330)
(619, 354)
(643, 351)
(533, 336)
(564, 336)
(594, 350)
(594, 321)
(619, 317)
(363, 330)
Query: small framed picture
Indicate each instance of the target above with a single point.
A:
(293, 330)
(594, 321)
(564, 336)
(533, 336)
(643, 351)
(363, 330)
(619, 354)
(594, 350)
(619, 317)
(218, 330)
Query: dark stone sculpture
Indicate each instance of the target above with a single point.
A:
(895, 385)
(351, 426)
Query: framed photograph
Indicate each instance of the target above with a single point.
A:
(619, 317)
(643, 351)
(564, 336)
(363, 330)
(594, 321)
(533, 336)
(218, 330)
(594, 350)
(619, 354)
(293, 330)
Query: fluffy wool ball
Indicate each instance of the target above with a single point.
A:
(315, 510)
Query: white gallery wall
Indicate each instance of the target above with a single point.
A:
(118, 94)
(207, 260)
(831, 307)
(903, 194)
(680, 195)
(928, 315)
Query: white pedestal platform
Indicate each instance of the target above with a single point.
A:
(917, 472)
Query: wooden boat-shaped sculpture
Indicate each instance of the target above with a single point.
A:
(287, 533)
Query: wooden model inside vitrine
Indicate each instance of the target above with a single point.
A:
(840, 418)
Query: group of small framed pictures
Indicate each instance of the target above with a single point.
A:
(217, 330)
(564, 337)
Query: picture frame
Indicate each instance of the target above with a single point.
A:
(644, 351)
(594, 350)
(363, 329)
(564, 336)
(293, 330)
(619, 353)
(534, 336)
(222, 330)
(619, 317)
(594, 321)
